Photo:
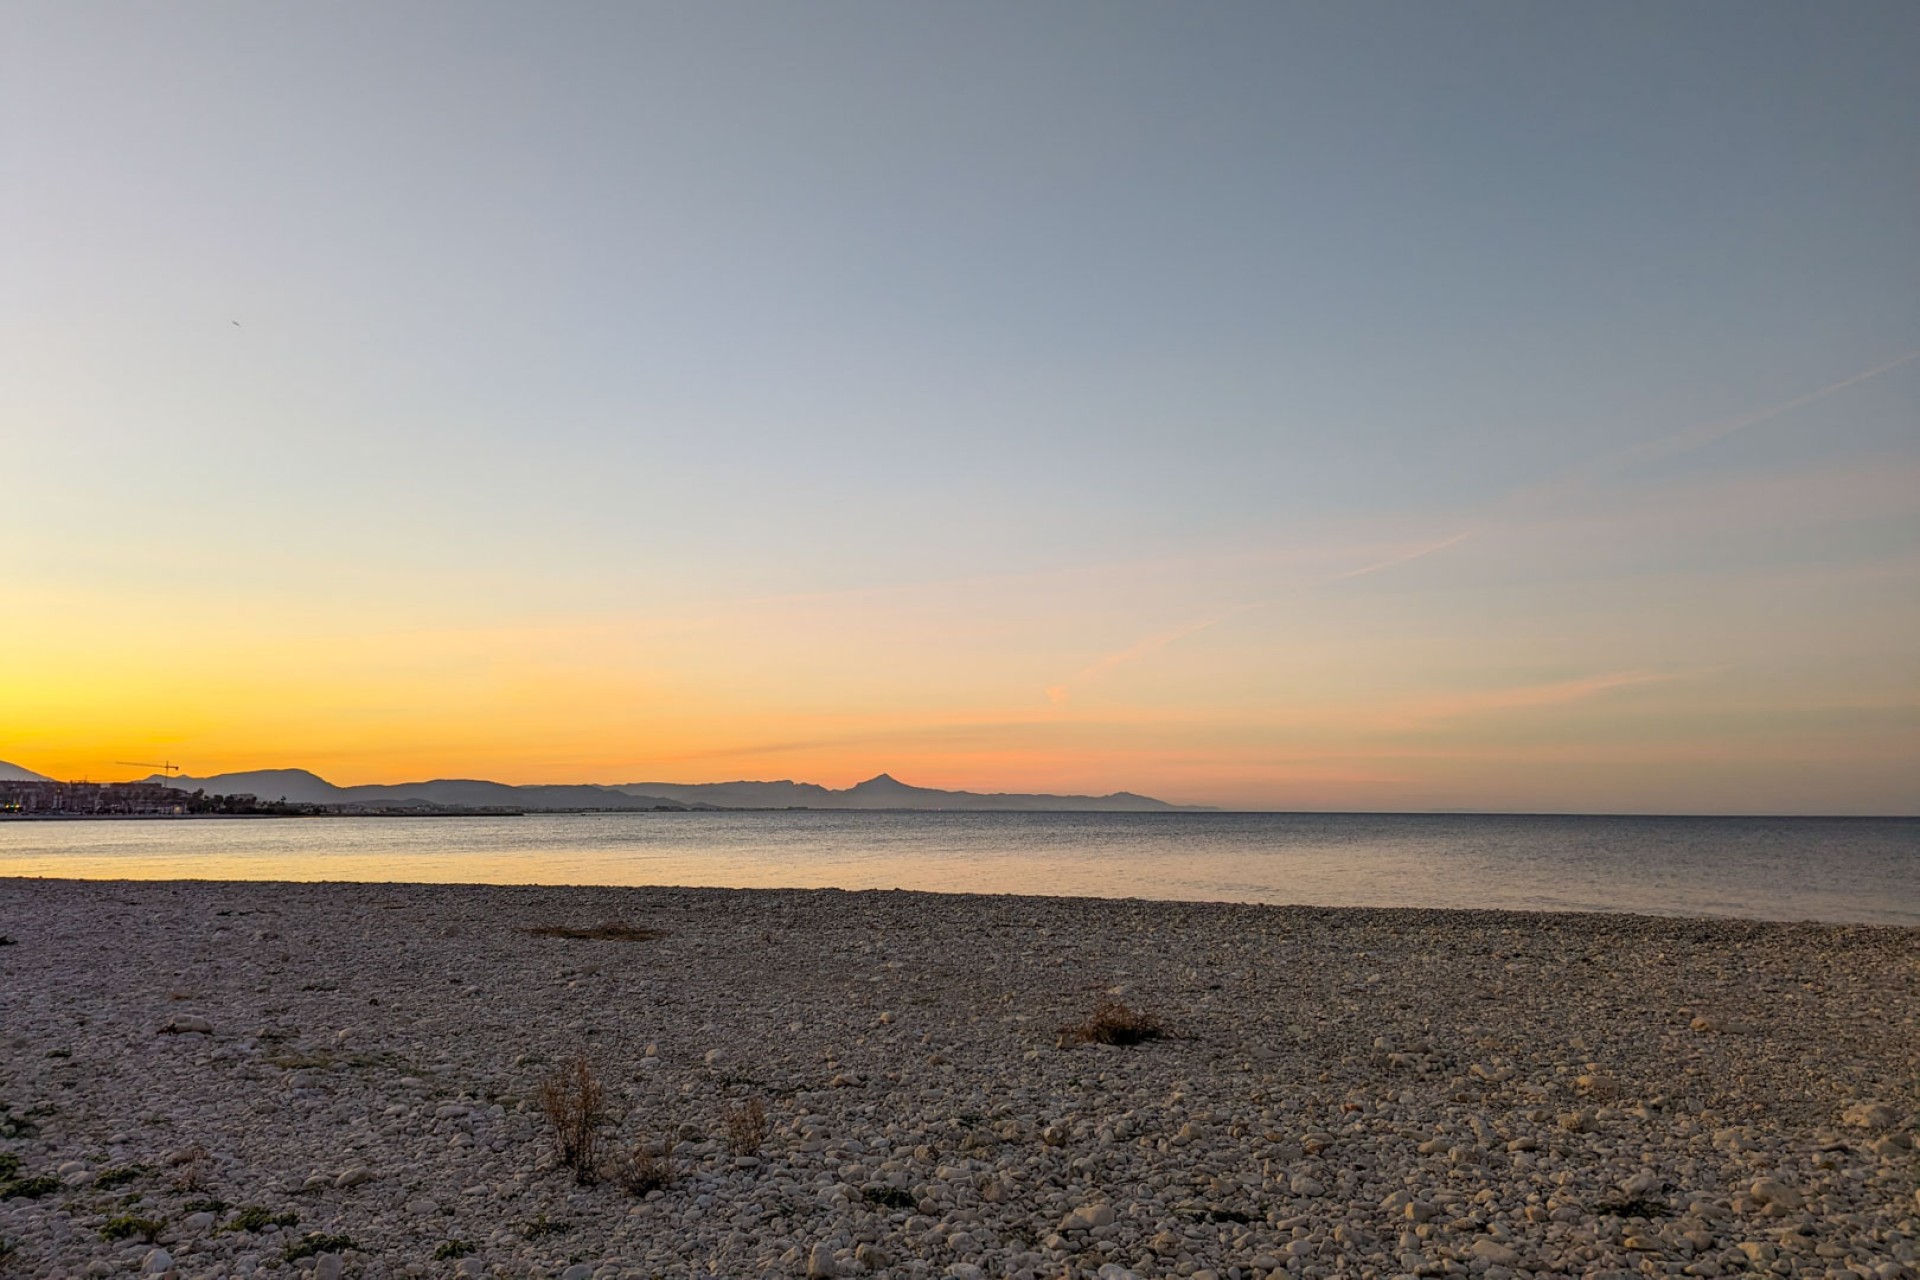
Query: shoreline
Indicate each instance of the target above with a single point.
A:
(1509, 915)
(1343, 1091)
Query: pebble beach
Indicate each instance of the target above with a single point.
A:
(346, 1080)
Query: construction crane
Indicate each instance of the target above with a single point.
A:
(169, 768)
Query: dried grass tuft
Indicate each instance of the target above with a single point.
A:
(608, 931)
(746, 1126)
(1113, 1023)
(645, 1170)
(575, 1108)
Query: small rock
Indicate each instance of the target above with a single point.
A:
(1773, 1191)
(820, 1263)
(185, 1024)
(578, 1271)
(1087, 1217)
(1494, 1252)
(1868, 1115)
(157, 1262)
(328, 1266)
(354, 1177)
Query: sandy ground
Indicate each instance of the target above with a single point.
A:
(1340, 1092)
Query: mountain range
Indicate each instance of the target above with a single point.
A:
(14, 773)
(883, 792)
(300, 786)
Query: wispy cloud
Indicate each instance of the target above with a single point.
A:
(1062, 693)
(1519, 697)
(1687, 440)
(1392, 562)
(1684, 441)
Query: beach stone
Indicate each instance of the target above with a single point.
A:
(329, 1266)
(1087, 1217)
(1494, 1252)
(187, 1024)
(353, 1177)
(1868, 1115)
(156, 1262)
(971, 1132)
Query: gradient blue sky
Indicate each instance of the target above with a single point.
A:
(1001, 395)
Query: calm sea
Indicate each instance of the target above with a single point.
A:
(1840, 869)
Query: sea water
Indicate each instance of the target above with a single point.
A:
(1835, 869)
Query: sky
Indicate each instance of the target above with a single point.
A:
(1352, 406)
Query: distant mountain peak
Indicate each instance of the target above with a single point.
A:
(15, 773)
(289, 775)
(882, 791)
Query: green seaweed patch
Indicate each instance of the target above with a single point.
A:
(9, 1165)
(451, 1249)
(535, 1228)
(29, 1188)
(1635, 1207)
(108, 1179)
(126, 1226)
(256, 1218)
(889, 1198)
(314, 1244)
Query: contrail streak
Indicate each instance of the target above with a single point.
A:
(1694, 437)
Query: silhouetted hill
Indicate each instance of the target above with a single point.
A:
(296, 786)
(14, 773)
(884, 791)
(299, 786)
(302, 787)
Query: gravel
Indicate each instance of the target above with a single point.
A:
(345, 1081)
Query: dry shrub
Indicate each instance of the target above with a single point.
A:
(746, 1126)
(575, 1107)
(644, 1169)
(1113, 1023)
(192, 1169)
(608, 931)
